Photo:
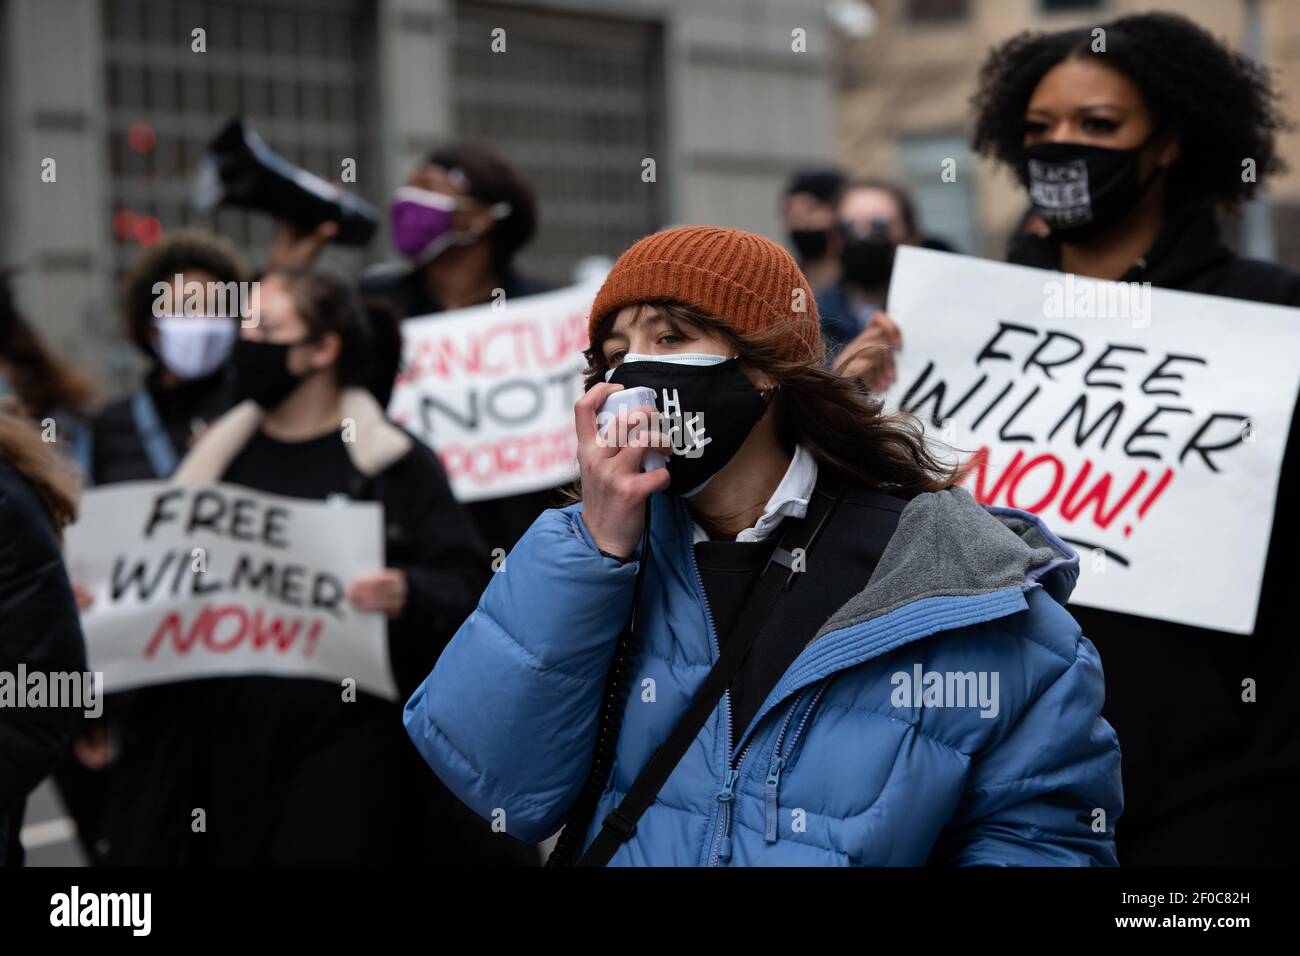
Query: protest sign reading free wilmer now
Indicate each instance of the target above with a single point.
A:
(1146, 426)
(491, 388)
(205, 581)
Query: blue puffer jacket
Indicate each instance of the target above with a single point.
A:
(843, 764)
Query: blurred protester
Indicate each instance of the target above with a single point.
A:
(139, 438)
(1162, 121)
(808, 212)
(524, 709)
(187, 384)
(460, 220)
(874, 218)
(39, 629)
(287, 771)
(46, 388)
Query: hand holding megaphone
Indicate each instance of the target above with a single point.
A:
(291, 248)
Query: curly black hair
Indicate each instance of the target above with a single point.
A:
(493, 178)
(188, 249)
(1220, 104)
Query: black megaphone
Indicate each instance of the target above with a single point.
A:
(239, 169)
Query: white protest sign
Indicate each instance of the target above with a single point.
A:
(1146, 426)
(491, 389)
(218, 580)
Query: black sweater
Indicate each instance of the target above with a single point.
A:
(845, 557)
(1208, 778)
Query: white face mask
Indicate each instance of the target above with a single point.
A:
(194, 346)
(676, 358)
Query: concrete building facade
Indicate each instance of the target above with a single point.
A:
(725, 97)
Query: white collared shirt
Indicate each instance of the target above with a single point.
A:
(790, 498)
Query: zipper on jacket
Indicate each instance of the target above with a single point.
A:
(774, 776)
(779, 761)
(726, 797)
(721, 850)
(722, 830)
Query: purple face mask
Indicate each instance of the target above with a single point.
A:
(419, 219)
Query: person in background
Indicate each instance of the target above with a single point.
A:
(288, 771)
(460, 220)
(186, 386)
(141, 437)
(39, 629)
(808, 213)
(874, 218)
(1161, 122)
(46, 388)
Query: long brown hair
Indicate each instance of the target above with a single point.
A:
(53, 478)
(44, 383)
(833, 417)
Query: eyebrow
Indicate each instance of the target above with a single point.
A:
(647, 316)
(1085, 106)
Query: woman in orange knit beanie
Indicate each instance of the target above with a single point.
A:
(740, 657)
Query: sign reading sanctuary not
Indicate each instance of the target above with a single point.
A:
(491, 389)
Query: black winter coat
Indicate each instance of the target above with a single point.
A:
(40, 629)
(1208, 778)
(118, 453)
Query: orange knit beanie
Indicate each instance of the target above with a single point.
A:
(743, 280)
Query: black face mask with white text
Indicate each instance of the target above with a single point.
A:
(1080, 190)
(707, 410)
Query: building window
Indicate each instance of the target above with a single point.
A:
(578, 104)
(937, 11)
(296, 69)
(945, 205)
(1069, 6)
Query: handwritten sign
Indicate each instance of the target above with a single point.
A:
(491, 388)
(204, 581)
(1146, 426)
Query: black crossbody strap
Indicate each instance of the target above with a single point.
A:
(778, 576)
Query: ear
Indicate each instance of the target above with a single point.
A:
(1168, 150)
(481, 220)
(757, 377)
(326, 352)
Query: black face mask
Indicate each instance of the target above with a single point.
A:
(868, 262)
(1080, 190)
(708, 410)
(262, 372)
(811, 244)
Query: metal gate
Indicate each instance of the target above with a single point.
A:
(298, 69)
(577, 102)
